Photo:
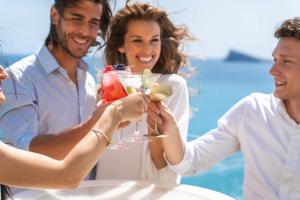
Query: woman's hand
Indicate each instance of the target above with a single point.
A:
(159, 113)
(100, 108)
(173, 145)
(132, 107)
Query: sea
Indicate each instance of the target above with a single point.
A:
(215, 86)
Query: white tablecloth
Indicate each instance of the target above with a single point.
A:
(115, 189)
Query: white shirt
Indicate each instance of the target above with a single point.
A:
(269, 139)
(47, 100)
(135, 163)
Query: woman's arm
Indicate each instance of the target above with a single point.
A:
(173, 144)
(155, 146)
(26, 169)
(178, 105)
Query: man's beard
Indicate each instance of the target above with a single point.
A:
(63, 44)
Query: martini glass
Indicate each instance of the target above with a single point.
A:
(157, 93)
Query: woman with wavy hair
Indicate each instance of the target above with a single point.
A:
(142, 36)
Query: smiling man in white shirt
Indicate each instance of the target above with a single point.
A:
(264, 127)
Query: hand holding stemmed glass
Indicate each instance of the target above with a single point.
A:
(157, 94)
(132, 83)
(146, 83)
(112, 90)
(117, 84)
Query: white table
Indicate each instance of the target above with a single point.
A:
(115, 189)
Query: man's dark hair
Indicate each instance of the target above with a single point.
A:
(61, 5)
(289, 28)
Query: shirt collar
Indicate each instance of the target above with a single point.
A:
(49, 62)
(283, 112)
(278, 103)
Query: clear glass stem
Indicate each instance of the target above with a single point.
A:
(137, 129)
(156, 131)
(120, 135)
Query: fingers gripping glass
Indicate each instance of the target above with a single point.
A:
(132, 82)
(16, 116)
(157, 92)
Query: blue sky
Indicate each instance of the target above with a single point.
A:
(245, 25)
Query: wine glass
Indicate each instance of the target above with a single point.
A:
(113, 89)
(132, 83)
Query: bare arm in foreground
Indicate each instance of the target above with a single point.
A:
(31, 170)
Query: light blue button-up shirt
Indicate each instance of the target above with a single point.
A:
(41, 99)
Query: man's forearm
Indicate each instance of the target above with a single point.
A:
(58, 145)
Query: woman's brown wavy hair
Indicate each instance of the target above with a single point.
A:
(172, 37)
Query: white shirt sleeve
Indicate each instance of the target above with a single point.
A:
(178, 103)
(202, 153)
(18, 115)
